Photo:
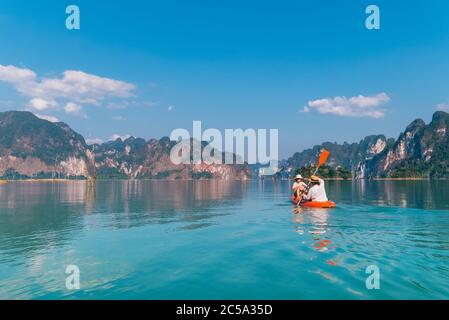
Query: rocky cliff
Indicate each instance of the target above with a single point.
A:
(34, 148)
(421, 151)
(136, 158)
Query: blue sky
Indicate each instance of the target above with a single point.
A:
(230, 64)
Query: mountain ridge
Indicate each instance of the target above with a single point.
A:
(31, 147)
(420, 151)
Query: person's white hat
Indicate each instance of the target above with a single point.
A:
(298, 176)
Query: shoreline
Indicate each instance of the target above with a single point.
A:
(40, 180)
(403, 179)
(383, 179)
(147, 179)
(2, 182)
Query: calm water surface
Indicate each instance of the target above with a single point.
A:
(222, 240)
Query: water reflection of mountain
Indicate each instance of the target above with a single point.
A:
(408, 194)
(134, 203)
(39, 216)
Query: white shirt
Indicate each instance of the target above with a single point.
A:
(317, 193)
(300, 185)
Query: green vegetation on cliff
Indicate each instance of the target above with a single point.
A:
(325, 172)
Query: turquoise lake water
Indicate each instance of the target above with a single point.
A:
(223, 240)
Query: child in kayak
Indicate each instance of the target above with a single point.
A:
(317, 191)
(299, 187)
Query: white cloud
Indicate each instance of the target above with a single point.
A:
(48, 118)
(443, 107)
(91, 141)
(170, 108)
(358, 106)
(41, 104)
(75, 88)
(12, 74)
(74, 109)
(117, 136)
(119, 118)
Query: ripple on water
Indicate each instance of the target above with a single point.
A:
(221, 241)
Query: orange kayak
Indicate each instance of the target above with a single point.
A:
(314, 204)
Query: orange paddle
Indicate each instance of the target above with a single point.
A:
(323, 158)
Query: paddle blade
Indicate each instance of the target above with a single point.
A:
(323, 157)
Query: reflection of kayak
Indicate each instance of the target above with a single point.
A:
(314, 204)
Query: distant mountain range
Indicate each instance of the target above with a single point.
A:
(34, 148)
(136, 158)
(421, 151)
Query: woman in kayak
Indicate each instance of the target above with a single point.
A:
(317, 192)
(299, 187)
